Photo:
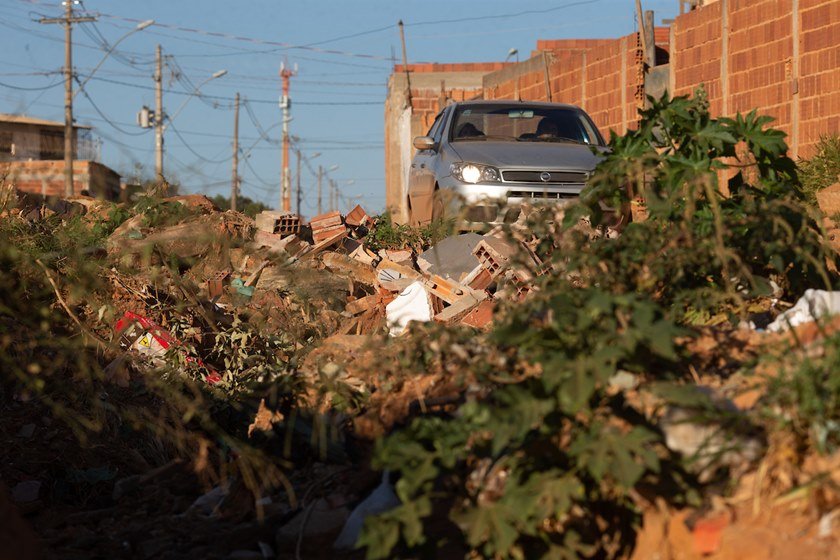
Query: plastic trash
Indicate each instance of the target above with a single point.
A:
(813, 305)
(382, 499)
(411, 305)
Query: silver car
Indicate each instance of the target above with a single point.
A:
(481, 159)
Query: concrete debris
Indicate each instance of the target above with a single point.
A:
(813, 305)
(413, 304)
(453, 257)
(708, 444)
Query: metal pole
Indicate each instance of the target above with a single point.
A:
(405, 65)
(299, 195)
(320, 175)
(68, 100)
(234, 184)
(159, 114)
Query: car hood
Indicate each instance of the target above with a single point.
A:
(527, 155)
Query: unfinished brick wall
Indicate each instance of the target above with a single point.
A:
(47, 178)
(777, 56)
(604, 76)
(819, 71)
(697, 52)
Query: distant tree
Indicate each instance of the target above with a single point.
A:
(247, 206)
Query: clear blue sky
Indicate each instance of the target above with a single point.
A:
(347, 135)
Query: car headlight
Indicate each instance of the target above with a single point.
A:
(474, 173)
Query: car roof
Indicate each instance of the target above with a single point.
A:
(515, 102)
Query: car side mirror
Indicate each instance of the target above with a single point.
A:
(425, 143)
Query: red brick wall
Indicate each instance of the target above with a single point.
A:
(762, 69)
(697, 49)
(588, 74)
(47, 177)
(819, 70)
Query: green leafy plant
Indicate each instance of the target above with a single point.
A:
(533, 469)
(725, 212)
(805, 397)
(385, 234)
(823, 168)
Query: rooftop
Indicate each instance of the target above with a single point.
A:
(24, 119)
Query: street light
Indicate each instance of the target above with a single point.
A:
(195, 93)
(512, 52)
(140, 27)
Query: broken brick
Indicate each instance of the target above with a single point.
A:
(480, 316)
(216, 283)
(357, 217)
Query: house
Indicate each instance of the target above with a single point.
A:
(32, 158)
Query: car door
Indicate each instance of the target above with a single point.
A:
(421, 178)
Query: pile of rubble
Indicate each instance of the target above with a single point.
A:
(456, 281)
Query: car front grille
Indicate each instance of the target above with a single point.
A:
(541, 194)
(554, 177)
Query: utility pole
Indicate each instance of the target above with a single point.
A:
(234, 184)
(159, 114)
(285, 104)
(68, 20)
(405, 66)
(299, 195)
(320, 176)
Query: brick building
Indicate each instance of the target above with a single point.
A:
(780, 57)
(32, 158)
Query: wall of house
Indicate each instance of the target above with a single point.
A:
(47, 178)
(432, 87)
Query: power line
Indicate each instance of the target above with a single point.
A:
(224, 98)
(196, 154)
(503, 16)
(101, 114)
(21, 88)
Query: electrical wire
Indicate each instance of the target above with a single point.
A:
(224, 98)
(101, 114)
(21, 88)
(196, 154)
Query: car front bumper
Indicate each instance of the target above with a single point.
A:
(484, 204)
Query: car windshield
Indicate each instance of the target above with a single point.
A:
(522, 123)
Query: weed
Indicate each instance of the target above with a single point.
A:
(823, 169)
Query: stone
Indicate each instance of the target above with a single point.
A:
(26, 431)
(316, 521)
(26, 491)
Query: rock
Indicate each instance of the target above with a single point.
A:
(317, 521)
(27, 491)
(709, 444)
(26, 431)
